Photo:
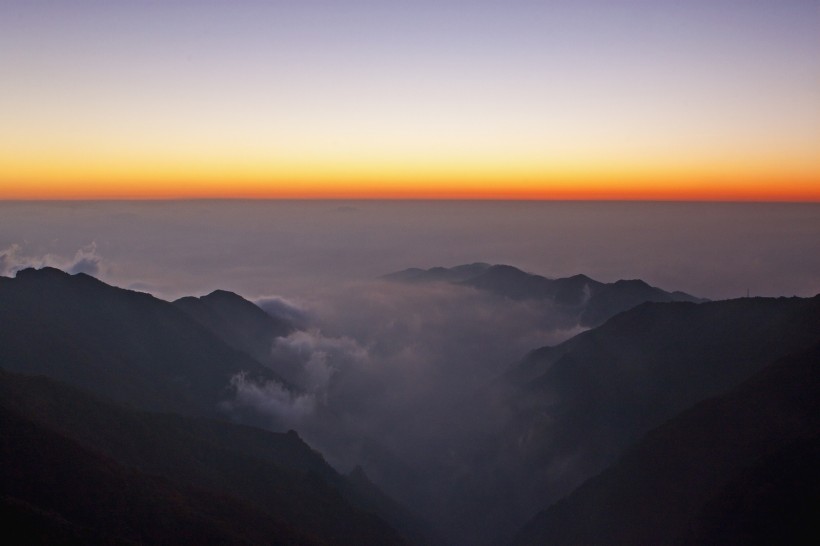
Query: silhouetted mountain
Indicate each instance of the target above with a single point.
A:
(772, 502)
(56, 491)
(572, 409)
(591, 396)
(515, 284)
(236, 321)
(129, 346)
(610, 299)
(458, 273)
(589, 301)
(558, 417)
(72, 461)
(737, 469)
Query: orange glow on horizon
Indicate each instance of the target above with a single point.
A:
(482, 179)
(548, 188)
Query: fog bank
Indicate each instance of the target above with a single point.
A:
(288, 248)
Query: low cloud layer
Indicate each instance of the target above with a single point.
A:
(85, 260)
(386, 376)
(280, 307)
(270, 399)
(307, 361)
(174, 249)
(315, 358)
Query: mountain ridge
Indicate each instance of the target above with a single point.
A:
(571, 409)
(135, 353)
(664, 489)
(130, 346)
(236, 321)
(591, 302)
(558, 416)
(276, 475)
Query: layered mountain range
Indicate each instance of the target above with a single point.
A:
(109, 400)
(103, 473)
(567, 412)
(739, 468)
(591, 302)
(577, 406)
(671, 421)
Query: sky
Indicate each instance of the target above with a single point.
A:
(588, 99)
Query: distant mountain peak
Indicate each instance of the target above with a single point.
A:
(438, 273)
(503, 269)
(239, 322)
(224, 294)
(127, 345)
(591, 302)
(52, 278)
(632, 282)
(40, 273)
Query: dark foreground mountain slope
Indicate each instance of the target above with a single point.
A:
(236, 321)
(587, 301)
(772, 502)
(129, 346)
(57, 490)
(572, 409)
(737, 469)
(578, 405)
(75, 461)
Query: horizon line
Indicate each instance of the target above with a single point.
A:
(476, 199)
